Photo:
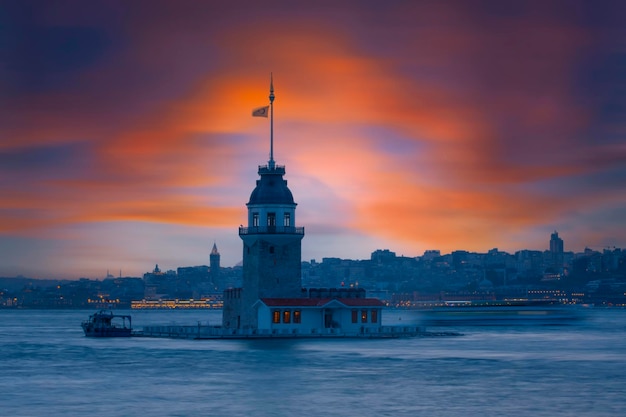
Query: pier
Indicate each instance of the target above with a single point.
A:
(217, 332)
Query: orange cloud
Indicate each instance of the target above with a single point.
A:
(473, 115)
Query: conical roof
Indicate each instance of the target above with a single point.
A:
(271, 188)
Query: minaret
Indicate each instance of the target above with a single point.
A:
(271, 244)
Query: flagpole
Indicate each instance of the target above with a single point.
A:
(271, 161)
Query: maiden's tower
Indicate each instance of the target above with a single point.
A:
(271, 301)
(271, 297)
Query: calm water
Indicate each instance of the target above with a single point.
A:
(48, 368)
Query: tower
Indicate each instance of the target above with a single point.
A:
(214, 263)
(271, 244)
(556, 251)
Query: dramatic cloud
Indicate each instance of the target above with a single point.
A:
(414, 125)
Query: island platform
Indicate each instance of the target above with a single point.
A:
(200, 332)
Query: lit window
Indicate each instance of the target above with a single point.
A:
(276, 316)
(287, 316)
(374, 316)
(363, 316)
(355, 316)
(297, 316)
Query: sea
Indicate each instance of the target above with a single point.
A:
(49, 368)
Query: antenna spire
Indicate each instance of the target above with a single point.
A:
(271, 161)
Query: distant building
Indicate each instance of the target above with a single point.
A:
(153, 282)
(529, 263)
(192, 281)
(429, 255)
(214, 259)
(556, 252)
(381, 257)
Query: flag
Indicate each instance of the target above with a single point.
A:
(261, 111)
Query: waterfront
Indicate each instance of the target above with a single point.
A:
(48, 367)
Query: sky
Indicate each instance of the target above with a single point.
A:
(126, 135)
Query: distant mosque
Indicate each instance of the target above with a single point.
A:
(272, 298)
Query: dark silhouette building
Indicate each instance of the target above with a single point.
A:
(271, 297)
(556, 251)
(271, 247)
(214, 264)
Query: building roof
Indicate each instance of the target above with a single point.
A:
(321, 302)
(271, 188)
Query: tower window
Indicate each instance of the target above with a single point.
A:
(255, 219)
(271, 219)
(287, 220)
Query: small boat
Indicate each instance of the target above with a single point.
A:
(106, 324)
(500, 313)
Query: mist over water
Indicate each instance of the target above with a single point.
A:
(47, 367)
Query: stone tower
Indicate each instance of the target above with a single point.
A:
(214, 263)
(271, 246)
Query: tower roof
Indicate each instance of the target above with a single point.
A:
(214, 250)
(271, 188)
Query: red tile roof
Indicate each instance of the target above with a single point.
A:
(320, 302)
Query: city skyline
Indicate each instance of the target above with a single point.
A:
(128, 138)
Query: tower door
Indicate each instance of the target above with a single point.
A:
(328, 319)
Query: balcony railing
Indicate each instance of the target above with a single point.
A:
(277, 169)
(286, 230)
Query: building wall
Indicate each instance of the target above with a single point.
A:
(344, 318)
(271, 268)
(278, 209)
(314, 318)
(231, 313)
(272, 265)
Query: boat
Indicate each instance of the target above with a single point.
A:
(499, 313)
(106, 324)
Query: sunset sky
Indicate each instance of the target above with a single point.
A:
(126, 136)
